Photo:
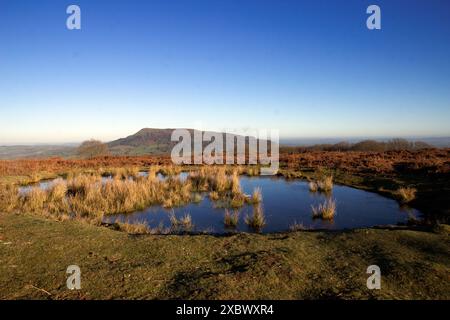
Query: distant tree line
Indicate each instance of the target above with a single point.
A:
(92, 148)
(364, 145)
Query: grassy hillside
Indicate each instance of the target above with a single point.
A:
(145, 141)
(150, 141)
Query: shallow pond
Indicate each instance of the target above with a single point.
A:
(43, 184)
(46, 184)
(284, 204)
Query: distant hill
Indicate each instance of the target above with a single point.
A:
(145, 141)
(150, 141)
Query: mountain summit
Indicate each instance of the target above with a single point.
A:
(150, 141)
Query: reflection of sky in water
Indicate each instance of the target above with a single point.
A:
(284, 203)
(44, 185)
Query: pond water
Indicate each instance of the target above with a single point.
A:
(284, 204)
(43, 184)
(46, 184)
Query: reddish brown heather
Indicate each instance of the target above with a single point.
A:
(426, 161)
(55, 165)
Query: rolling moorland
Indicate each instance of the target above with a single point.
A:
(149, 141)
(146, 141)
(37, 242)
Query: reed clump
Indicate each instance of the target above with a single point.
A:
(252, 171)
(257, 220)
(169, 170)
(57, 198)
(235, 185)
(135, 228)
(176, 192)
(406, 194)
(80, 184)
(221, 186)
(324, 184)
(182, 224)
(237, 200)
(256, 196)
(126, 172)
(200, 180)
(160, 229)
(296, 227)
(186, 222)
(34, 200)
(325, 210)
(57, 190)
(196, 198)
(313, 186)
(214, 195)
(231, 220)
(9, 197)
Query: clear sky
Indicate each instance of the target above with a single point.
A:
(308, 68)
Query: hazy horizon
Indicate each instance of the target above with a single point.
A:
(283, 140)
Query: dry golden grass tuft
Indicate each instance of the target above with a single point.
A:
(406, 194)
(34, 200)
(297, 226)
(235, 184)
(323, 184)
(231, 220)
(256, 196)
(326, 210)
(196, 198)
(221, 186)
(9, 197)
(252, 171)
(214, 195)
(180, 225)
(257, 220)
(134, 228)
(313, 186)
(169, 170)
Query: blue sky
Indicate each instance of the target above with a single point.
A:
(307, 68)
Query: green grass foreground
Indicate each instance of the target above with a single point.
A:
(35, 252)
